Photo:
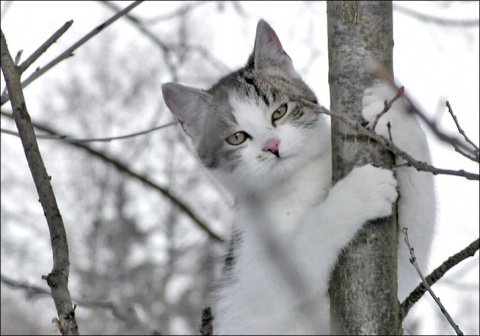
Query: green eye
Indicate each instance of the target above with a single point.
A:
(237, 138)
(279, 113)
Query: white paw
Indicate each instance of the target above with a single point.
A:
(374, 190)
(373, 103)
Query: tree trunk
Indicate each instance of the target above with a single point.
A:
(363, 288)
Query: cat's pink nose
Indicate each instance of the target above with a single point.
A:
(272, 146)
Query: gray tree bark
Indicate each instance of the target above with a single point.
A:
(363, 288)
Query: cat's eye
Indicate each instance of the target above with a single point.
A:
(237, 138)
(279, 113)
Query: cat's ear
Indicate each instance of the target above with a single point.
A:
(186, 104)
(268, 51)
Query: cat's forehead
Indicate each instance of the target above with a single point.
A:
(246, 85)
(247, 112)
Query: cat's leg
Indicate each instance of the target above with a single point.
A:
(416, 205)
(405, 130)
(364, 194)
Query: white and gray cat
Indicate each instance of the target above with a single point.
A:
(273, 155)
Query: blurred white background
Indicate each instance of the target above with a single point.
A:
(435, 60)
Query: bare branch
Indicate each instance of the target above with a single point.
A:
(127, 170)
(388, 105)
(179, 12)
(32, 291)
(18, 57)
(174, 199)
(69, 52)
(169, 49)
(462, 132)
(437, 274)
(467, 23)
(137, 23)
(413, 260)
(383, 74)
(390, 145)
(389, 127)
(387, 144)
(58, 278)
(106, 139)
(37, 53)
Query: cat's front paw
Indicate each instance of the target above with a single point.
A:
(373, 189)
(373, 103)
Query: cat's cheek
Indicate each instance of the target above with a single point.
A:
(233, 158)
(287, 134)
(298, 145)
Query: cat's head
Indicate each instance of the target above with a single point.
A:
(250, 129)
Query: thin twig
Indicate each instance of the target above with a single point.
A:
(176, 13)
(388, 105)
(166, 52)
(390, 145)
(389, 127)
(69, 52)
(437, 274)
(37, 53)
(32, 291)
(382, 73)
(130, 172)
(85, 140)
(18, 57)
(462, 132)
(169, 49)
(387, 144)
(413, 260)
(137, 22)
(57, 279)
(436, 20)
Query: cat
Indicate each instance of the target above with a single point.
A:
(272, 154)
